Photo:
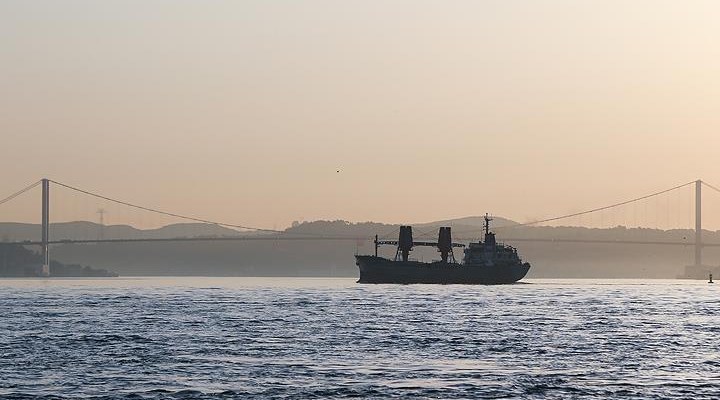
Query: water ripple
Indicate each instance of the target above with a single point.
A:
(192, 339)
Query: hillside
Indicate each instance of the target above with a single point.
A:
(12, 231)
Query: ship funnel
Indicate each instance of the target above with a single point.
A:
(405, 242)
(444, 243)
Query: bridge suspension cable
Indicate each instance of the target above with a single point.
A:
(244, 227)
(622, 203)
(166, 213)
(19, 192)
(711, 186)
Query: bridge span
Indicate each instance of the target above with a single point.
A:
(280, 235)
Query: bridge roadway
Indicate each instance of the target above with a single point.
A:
(338, 238)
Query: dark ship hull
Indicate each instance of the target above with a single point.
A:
(375, 269)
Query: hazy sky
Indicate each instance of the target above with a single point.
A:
(243, 111)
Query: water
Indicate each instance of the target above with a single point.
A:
(317, 338)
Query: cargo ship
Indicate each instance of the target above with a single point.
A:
(485, 262)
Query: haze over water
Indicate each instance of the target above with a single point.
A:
(305, 338)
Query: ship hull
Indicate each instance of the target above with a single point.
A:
(381, 270)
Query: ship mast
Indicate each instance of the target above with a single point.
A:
(487, 224)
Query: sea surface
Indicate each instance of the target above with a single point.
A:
(195, 338)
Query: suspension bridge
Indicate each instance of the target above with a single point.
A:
(261, 234)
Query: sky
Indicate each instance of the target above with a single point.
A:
(245, 111)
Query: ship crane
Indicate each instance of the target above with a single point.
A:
(405, 244)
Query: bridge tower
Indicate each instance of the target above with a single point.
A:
(45, 227)
(698, 223)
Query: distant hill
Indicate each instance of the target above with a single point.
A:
(463, 228)
(17, 261)
(467, 226)
(10, 231)
(474, 222)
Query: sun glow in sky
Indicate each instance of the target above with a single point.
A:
(245, 111)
